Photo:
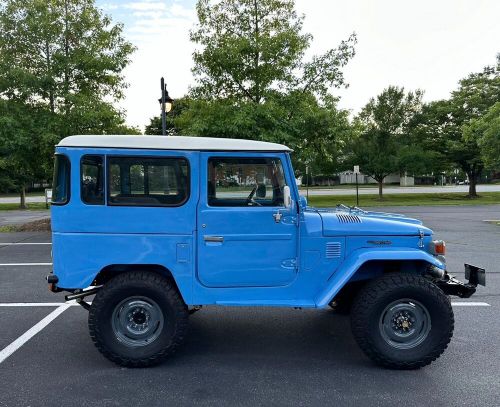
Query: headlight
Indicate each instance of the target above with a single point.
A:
(438, 247)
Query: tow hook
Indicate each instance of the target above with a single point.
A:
(79, 295)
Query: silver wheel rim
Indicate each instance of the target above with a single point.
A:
(137, 321)
(405, 324)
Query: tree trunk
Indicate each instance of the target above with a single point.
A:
(22, 194)
(49, 72)
(256, 55)
(66, 60)
(380, 189)
(472, 184)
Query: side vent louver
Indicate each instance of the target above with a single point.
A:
(333, 250)
(347, 218)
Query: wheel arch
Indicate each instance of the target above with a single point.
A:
(366, 264)
(376, 268)
(112, 270)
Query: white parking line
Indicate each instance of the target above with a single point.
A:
(25, 264)
(22, 244)
(30, 333)
(470, 304)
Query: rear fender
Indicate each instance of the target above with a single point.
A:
(359, 257)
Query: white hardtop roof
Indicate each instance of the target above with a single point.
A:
(170, 143)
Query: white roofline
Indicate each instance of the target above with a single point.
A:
(169, 143)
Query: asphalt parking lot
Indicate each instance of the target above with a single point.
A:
(246, 356)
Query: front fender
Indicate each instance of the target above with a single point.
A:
(358, 257)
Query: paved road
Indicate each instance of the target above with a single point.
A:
(246, 356)
(22, 216)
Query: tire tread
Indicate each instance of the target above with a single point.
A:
(148, 278)
(367, 299)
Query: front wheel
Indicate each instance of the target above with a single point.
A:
(138, 319)
(402, 321)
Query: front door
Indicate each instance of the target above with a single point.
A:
(246, 237)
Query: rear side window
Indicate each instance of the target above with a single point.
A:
(147, 181)
(61, 181)
(91, 181)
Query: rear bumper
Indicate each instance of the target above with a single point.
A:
(452, 286)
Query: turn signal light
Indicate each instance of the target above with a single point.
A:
(439, 247)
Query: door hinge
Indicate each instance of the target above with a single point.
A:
(421, 238)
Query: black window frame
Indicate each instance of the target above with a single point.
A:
(102, 157)
(68, 187)
(215, 157)
(146, 157)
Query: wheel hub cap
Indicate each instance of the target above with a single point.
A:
(137, 321)
(405, 323)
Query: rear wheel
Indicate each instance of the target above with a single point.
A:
(402, 321)
(138, 319)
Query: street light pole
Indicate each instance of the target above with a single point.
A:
(163, 113)
(167, 103)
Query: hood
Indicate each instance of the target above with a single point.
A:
(356, 222)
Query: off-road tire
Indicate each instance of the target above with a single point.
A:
(372, 300)
(148, 285)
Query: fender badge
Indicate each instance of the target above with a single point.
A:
(379, 242)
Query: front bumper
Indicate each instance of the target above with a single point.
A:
(452, 286)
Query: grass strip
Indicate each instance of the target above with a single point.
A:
(485, 198)
(32, 206)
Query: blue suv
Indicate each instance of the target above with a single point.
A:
(157, 227)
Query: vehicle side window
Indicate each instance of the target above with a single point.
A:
(91, 182)
(245, 182)
(146, 181)
(61, 181)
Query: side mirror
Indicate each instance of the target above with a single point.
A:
(287, 198)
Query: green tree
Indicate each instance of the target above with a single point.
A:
(61, 60)
(253, 80)
(472, 100)
(250, 48)
(21, 139)
(486, 131)
(385, 123)
(450, 128)
(426, 140)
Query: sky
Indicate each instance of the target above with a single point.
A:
(425, 44)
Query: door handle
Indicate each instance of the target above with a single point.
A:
(218, 239)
